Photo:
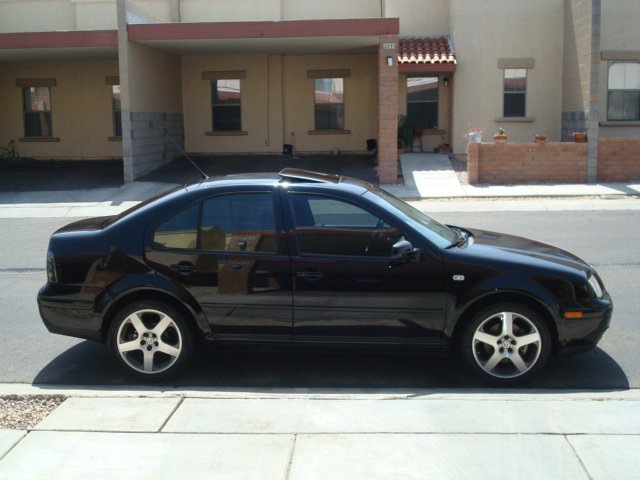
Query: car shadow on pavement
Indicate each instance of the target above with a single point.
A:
(89, 364)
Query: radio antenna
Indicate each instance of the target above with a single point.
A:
(195, 165)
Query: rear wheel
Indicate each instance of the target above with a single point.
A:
(151, 340)
(506, 344)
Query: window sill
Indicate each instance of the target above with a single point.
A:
(230, 133)
(115, 139)
(329, 132)
(38, 139)
(620, 123)
(515, 119)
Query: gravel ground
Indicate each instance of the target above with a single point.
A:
(23, 412)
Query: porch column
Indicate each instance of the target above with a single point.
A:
(388, 109)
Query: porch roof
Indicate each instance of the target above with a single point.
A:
(289, 36)
(67, 45)
(426, 54)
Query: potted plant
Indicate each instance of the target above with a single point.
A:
(474, 135)
(579, 137)
(500, 136)
(540, 138)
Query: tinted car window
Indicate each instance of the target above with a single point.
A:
(329, 226)
(238, 223)
(180, 231)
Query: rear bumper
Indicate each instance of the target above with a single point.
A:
(71, 318)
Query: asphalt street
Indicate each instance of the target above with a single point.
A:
(609, 240)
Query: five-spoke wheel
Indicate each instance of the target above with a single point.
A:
(506, 343)
(151, 339)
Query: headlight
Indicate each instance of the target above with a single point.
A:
(595, 285)
(52, 276)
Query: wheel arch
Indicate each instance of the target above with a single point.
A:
(504, 297)
(194, 318)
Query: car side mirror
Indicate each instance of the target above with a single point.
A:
(403, 250)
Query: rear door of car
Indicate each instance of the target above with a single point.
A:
(347, 288)
(227, 251)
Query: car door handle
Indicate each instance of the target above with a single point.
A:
(183, 268)
(309, 274)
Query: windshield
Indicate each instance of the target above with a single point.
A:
(439, 234)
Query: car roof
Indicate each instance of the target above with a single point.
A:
(286, 176)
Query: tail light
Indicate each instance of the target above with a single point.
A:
(52, 275)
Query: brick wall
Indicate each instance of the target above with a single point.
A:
(518, 163)
(387, 111)
(618, 159)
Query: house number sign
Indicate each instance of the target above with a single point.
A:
(389, 46)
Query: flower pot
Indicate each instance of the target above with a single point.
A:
(499, 138)
(541, 138)
(580, 137)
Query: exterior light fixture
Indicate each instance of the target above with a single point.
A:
(445, 81)
(389, 61)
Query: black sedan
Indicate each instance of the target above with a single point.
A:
(302, 258)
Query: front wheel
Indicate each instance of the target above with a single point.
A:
(151, 340)
(506, 344)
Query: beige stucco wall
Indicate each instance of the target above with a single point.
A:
(81, 109)
(313, 9)
(360, 102)
(483, 36)
(96, 15)
(229, 10)
(154, 79)
(419, 17)
(277, 103)
(56, 15)
(620, 34)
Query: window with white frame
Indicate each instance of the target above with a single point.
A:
(623, 96)
(515, 92)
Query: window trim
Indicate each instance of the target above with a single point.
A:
(523, 92)
(211, 77)
(619, 122)
(330, 74)
(25, 84)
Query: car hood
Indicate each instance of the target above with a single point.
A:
(505, 247)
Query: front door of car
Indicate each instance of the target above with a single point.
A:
(347, 287)
(226, 252)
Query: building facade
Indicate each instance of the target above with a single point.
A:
(143, 79)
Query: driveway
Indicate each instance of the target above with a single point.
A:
(32, 175)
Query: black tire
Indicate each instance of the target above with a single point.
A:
(151, 340)
(506, 344)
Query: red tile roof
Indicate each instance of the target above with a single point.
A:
(425, 50)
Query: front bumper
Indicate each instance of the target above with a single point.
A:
(582, 335)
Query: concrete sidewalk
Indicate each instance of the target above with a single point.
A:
(302, 434)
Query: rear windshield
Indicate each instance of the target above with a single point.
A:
(140, 206)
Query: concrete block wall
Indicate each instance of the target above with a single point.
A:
(618, 159)
(150, 145)
(521, 163)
